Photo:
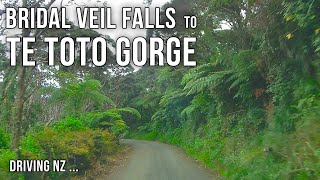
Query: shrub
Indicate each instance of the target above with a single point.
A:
(5, 156)
(69, 124)
(71, 140)
(4, 139)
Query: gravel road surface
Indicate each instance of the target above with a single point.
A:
(158, 161)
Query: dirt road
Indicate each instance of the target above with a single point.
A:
(157, 161)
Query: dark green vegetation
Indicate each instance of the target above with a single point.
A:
(80, 137)
(250, 109)
(59, 112)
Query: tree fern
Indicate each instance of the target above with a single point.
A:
(131, 111)
(78, 97)
(200, 84)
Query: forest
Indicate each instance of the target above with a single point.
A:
(249, 110)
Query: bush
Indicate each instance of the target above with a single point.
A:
(4, 139)
(70, 140)
(31, 147)
(69, 124)
(5, 156)
(110, 120)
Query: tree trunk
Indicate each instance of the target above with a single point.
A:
(19, 101)
(18, 109)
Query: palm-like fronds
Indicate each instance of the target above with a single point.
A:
(78, 97)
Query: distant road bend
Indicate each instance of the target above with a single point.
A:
(157, 161)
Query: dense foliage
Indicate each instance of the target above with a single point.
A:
(82, 137)
(250, 109)
(59, 112)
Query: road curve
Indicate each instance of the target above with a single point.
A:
(157, 161)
